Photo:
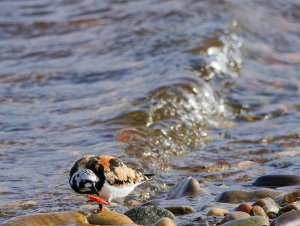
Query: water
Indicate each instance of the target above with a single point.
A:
(208, 84)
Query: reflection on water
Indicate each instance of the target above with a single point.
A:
(204, 86)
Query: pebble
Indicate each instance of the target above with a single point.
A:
(235, 215)
(258, 211)
(165, 221)
(249, 221)
(289, 198)
(269, 206)
(180, 210)
(244, 207)
(107, 217)
(148, 214)
(291, 218)
(217, 212)
(187, 187)
(289, 207)
(236, 196)
(55, 218)
(245, 163)
(277, 180)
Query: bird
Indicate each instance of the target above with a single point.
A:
(104, 178)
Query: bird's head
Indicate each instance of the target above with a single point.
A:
(85, 182)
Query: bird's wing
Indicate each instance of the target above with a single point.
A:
(117, 173)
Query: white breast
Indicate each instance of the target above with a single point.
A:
(110, 192)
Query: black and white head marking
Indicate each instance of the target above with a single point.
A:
(83, 181)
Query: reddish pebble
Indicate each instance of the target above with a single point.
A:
(244, 207)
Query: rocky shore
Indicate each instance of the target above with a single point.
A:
(258, 207)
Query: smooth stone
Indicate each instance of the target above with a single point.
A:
(55, 218)
(236, 196)
(244, 207)
(217, 212)
(277, 180)
(165, 221)
(269, 206)
(235, 215)
(291, 218)
(290, 197)
(187, 187)
(180, 210)
(289, 207)
(148, 214)
(258, 211)
(249, 221)
(107, 217)
(245, 163)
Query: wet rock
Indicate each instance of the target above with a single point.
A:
(245, 163)
(180, 210)
(55, 218)
(289, 207)
(291, 218)
(148, 214)
(165, 221)
(288, 198)
(108, 217)
(249, 221)
(217, 212)
(258, 211)
(235, 215)
(236, 196)
(277, 180)
(269, 206)
(244, 207)
(187, 187)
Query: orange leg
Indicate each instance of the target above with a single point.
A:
(97, 199)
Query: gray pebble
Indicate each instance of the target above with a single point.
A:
(187, 187)
(236, 196)
(291, 218)
(249, 221)
(277, 180)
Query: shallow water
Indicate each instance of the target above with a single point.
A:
(209, 83)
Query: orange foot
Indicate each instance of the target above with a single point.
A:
(100, 201)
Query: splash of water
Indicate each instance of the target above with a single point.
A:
(178, 116)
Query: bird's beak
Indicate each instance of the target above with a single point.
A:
(94, 190)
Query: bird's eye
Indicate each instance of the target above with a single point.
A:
(81, 185)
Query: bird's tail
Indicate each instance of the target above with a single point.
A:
(149, 175)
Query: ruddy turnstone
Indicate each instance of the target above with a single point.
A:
(104, 178)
